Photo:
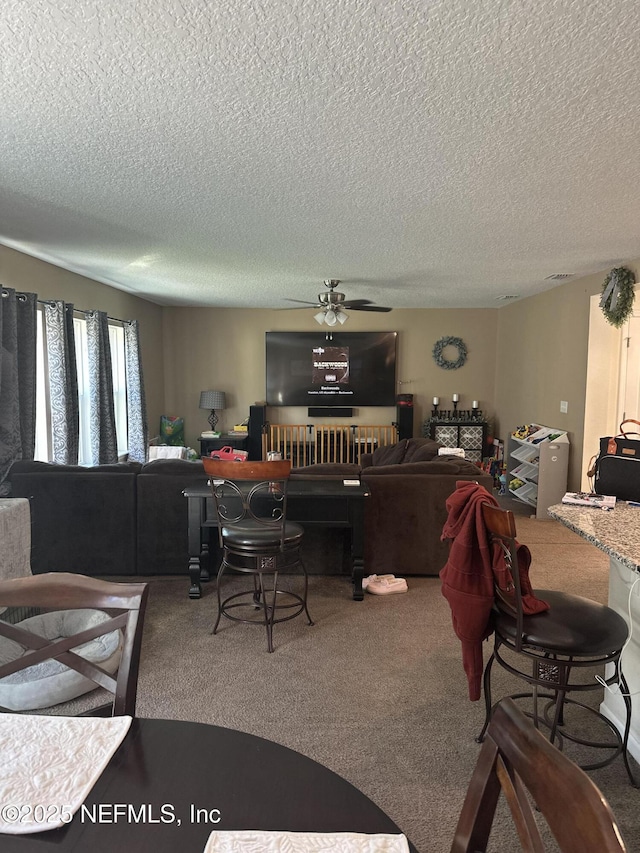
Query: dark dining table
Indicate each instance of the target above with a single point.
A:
(171, 783)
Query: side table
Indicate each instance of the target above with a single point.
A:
(238, 442)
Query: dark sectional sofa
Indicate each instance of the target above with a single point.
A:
(406, 510)
(125, 519)
(131, 519)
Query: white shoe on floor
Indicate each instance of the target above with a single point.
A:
(372, 578)
(387, 586)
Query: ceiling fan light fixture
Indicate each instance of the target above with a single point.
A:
(342, 317)
(330, 317)
(319, 317)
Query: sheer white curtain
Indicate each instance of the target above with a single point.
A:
(63, 382)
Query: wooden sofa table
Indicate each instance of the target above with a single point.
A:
(313, 502)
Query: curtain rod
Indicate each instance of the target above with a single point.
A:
(22, 297)
(82, 310)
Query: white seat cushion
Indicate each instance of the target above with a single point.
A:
(50, 682)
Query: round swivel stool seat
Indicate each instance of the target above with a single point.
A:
(561, 652)
(250, 536)
(573, 626)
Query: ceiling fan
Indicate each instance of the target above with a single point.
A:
(332, 305)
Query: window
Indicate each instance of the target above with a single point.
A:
(116, 339)
(43, 449)
(43, 420)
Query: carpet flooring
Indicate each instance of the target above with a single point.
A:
(374, 690)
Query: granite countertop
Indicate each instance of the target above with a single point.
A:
(616, 532)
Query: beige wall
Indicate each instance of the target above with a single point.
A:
(223, 349)
(523, 358)
(542, 359)
(23, 272)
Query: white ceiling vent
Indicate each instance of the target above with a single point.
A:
(559, 276)
(506, 297)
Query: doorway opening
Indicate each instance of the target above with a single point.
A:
(613, 379)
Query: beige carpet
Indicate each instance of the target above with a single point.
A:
(374, 690)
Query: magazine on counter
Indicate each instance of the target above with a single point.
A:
(590, 499)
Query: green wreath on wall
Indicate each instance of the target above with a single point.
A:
(445, 363)
(618, 293)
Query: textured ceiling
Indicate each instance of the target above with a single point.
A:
(429, 154)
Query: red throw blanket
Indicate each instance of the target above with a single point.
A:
(471, 571)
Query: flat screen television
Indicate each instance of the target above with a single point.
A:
(351, 369)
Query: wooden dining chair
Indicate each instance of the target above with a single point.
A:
(31, 649)
(538, 782)
(257, 540)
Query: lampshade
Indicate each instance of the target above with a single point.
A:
(331, 316)
(212, 400)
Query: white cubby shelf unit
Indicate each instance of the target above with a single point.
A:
(541, 462)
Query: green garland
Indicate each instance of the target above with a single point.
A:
(445, 363)
(618, 293)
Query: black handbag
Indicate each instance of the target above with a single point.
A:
(617, 468)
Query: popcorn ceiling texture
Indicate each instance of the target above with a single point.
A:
(428, 152)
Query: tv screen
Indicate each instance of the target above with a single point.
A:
(352, 369)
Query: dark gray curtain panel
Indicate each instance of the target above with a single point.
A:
(136, 404)
(17, 379)
(63, 382)
(102, 421)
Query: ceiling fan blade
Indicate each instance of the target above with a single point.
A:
(302, 302)
(353, 303)
(296, 307)
(380, 308)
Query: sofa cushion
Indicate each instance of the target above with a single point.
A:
(179, 467)
(421, 450)
(390, 454)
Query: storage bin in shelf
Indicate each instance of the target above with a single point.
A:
(545, 434)
(526, 471)
(525, 452)
(527, 493)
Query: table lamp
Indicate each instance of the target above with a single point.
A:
(212, 400)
